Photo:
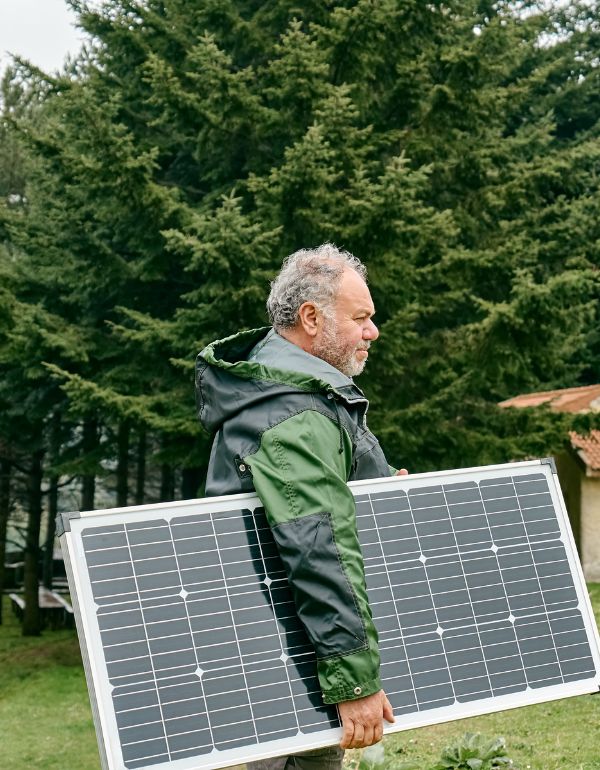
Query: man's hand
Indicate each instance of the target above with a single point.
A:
(402, 472)
(362, 720)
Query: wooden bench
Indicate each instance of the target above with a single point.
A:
(54, 610)
(18, 605)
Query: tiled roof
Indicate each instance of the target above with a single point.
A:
(589, 448)
(575, 400)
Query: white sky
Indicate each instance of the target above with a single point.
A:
(39, 30)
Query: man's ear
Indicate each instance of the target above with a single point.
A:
(309, 318)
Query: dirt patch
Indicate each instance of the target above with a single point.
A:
(49, 652)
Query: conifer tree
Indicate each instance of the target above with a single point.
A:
(452, 146)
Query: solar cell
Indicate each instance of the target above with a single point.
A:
(195, 657)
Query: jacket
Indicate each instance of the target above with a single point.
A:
(293, 428)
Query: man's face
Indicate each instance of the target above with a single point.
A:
(345, 335)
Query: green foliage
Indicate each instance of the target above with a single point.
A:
(162, 177)
(474, 752)
(372, 757)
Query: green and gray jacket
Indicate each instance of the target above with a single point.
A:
(293, 428)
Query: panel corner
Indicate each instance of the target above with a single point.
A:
(551, 462)
(63, 522)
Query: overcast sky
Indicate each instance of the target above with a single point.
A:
(39, 30)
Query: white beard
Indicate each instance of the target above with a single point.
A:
(332, 349)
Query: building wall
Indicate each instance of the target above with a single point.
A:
(570, 475)
(590, 528)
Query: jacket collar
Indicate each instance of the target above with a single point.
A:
(262, 354)
(275, 351)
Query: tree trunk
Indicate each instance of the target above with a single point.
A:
(47, 572)
(122, 463)
(48, 554)
(32, 625)
(5, 469)
(167, 483)
(190, 481)
(140, 476)
(88, 481)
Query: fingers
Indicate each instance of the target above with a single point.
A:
(378, 735)
(359, 736)
(348, 734)
(358, 740)
(402, 472)
(388, 713)
(362, 720)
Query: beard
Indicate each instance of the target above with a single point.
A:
(331, 348)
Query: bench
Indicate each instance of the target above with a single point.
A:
(18, 605)
(54, 610)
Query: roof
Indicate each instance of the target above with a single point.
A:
(588, 448)
(575, 400)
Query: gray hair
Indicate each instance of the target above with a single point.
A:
(309, 275)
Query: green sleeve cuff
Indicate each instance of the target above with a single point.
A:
(393, 471)
(349, 677)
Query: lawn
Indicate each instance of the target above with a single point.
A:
(45, 717)
(46, 723)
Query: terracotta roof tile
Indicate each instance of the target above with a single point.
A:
(589, 447)
(575, 400)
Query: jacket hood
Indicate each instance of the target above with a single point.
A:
(238, 371)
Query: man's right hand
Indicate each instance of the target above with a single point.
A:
(362, 720)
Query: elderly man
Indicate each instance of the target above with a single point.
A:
(289, 422)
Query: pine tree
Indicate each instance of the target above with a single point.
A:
(452, 146)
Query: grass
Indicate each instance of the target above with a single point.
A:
(46, 722)
(560, 735)
(45, 717)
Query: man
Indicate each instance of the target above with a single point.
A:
(289, 422)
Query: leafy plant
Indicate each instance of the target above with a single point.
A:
(372, 757)
(474, 752)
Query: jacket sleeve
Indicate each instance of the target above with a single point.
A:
(299, 472)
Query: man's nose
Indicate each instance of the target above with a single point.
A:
(370, 331)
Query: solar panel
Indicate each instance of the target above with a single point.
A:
(195, 657)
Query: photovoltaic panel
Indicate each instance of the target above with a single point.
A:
(195, 657)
